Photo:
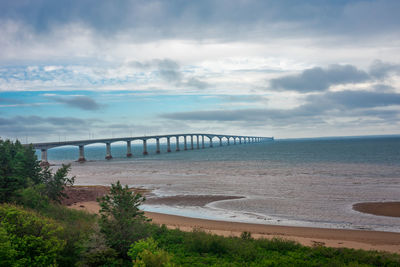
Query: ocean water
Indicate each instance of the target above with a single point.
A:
(285, 182)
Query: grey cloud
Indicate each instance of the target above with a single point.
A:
(169, 70)
(81, 102)
(10, 101)
(45, 127)
(66, 121)
(319, 79)
(380, 70)
(243, 98)
(355, 99)
(383, 88)
(316, 109)
(208, 18)
(35, 120)
(196, 83)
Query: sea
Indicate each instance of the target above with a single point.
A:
(294, 182)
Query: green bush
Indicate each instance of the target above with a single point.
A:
(146, 253)
(78, 227)
(121, 221)
(101, 257)
(8, 254)
(33, 197)
(203, 249)
(31, 239)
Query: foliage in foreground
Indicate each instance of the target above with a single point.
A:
(202, 249)
(28, 239)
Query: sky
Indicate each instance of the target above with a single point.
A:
(80, 69)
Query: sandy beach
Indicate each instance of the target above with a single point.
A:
(84, 198)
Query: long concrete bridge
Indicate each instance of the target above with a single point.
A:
(175, 137)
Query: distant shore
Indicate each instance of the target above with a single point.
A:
(84, 198)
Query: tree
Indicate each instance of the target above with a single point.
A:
(121, 222)
(55, 183)
(20, 171)
(19, 168)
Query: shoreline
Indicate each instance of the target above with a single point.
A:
(84, 198)
(308, 236)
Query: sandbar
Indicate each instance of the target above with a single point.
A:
(391, 209)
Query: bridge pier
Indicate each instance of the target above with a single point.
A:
(43, 161)
(211, 144)
(168, 144)
(202, 141)
(184, 142)
(81, 154)
(220, 141)
(145, 147)
(108, 151)
(228, 143)
(191, 142)
(128, 149)
(158, 145)
(234, 140)
(177, 143)
(197, 140)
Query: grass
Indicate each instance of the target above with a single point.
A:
(199, 249)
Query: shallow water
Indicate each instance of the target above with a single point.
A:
(297, 182)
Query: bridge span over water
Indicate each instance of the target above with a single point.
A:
(194, 138)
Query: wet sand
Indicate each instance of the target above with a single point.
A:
(391, 209)
(309, 236)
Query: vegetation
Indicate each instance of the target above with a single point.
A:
(35, 230)
(121, 222)
(28, 239)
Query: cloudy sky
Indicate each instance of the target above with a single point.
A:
(78, 69)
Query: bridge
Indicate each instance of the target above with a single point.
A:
(193, 143)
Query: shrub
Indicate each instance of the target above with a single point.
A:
(146, 253)
(31, 240)
(33, 197)
(78, 227)
(121, 221)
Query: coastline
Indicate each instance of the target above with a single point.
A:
(309, 236)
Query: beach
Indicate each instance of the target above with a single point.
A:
(84, 198)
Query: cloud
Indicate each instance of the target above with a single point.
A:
(196, 83)
(319, 79)
(45, 128)
(209, 19)
(354, 99)
(81, 102)
(167, 69)
(10, 101)
(381, 70)
(36, 120)
(318, 108)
